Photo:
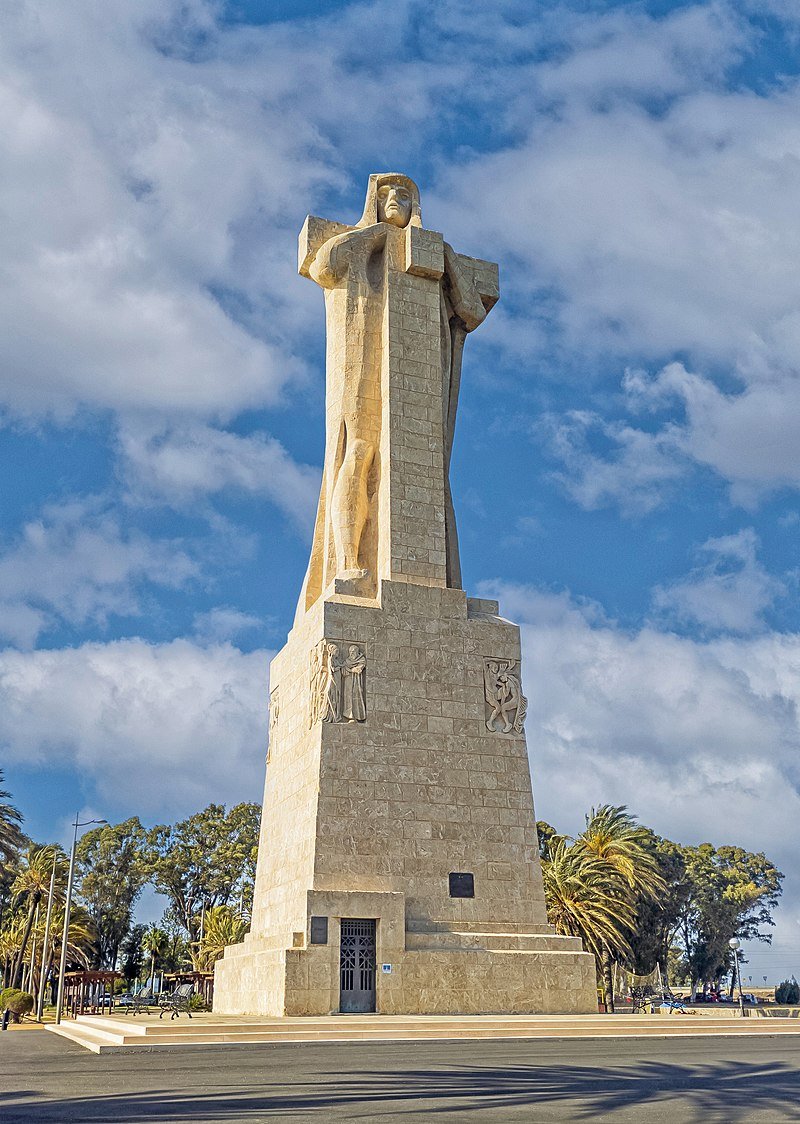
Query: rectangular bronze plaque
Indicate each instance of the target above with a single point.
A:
(319, 930)
(462, 885)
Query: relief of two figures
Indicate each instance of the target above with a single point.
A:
(338, 688)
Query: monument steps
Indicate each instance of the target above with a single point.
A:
(453, 940)
(106, 1034)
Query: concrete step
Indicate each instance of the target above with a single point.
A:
(103, 1034)
(459, 926)
(86, 1036)
(452, 940)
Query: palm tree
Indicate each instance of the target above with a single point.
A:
(81, 937)
(32, 883)
(153, 942)
(614, 837)
(582, 901)
(223, 926)
(11, 837)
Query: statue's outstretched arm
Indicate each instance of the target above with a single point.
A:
(464, 296)
(338, 254)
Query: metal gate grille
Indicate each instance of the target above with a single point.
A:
(357, 976)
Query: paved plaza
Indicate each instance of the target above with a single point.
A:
(46, 1080)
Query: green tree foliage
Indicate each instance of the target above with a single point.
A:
(12, 841)
(30, 886)
(788, 992)
(583, 900)
(658, 916)
(206, 860)
(730, 893)
(154, 942)
(642, 900)
(131, 952)
(19, 1003)
(615, 838)
(176, 952)
(114, 864)
(11, 838)
(223, 926)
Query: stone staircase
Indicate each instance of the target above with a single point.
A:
(113, 1034)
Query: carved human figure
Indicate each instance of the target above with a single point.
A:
(354, 702)
(332, 690)
(503, 692)
(355, 268)
(274, 716)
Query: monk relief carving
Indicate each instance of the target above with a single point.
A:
(338, 684)
(506, 706)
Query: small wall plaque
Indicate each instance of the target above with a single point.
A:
(462, 885)
(319, 930)
(386, 969)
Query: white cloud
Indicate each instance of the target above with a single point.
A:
(634, 469)
(224, 623)
(176, 724)
(76, 564)
(701, 739)
(182, 464)
(750, 438)
(646, 209)
(728, 592)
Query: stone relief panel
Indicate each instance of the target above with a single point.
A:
(338, 683)
(506, 705)
(274, 715)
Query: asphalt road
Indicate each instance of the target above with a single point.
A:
(45, 1079)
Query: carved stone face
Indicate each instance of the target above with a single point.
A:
(394, 204)
(354, 652)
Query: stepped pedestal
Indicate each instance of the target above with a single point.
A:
(373, 819)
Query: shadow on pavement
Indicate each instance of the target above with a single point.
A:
(727, 1091)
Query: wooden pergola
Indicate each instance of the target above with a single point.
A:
(89, 992)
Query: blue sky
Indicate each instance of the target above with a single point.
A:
(626, 470)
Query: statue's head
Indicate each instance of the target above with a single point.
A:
(354, 651)
(392, 198)
(394, 203)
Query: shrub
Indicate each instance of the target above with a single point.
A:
(787, 992)
(19, 1003)
(197, 1003)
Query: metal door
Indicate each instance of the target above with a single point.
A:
(357, 965)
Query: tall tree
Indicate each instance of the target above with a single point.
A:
(206, 860)
(11, 838)
(616, 838)
(585, 899)
(11, 843)
(658, 918)
(31, 884)
(132, 953)
(114, 863)
(731, 893)
(154, 942)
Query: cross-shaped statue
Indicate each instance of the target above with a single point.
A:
(399, 303)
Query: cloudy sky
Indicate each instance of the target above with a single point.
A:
(626, 471)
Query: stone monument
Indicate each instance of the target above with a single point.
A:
(398, 866)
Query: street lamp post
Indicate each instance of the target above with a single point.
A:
(67, 908)
(46, 945)
(735, 945)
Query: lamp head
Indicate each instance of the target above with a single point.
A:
(734, 943)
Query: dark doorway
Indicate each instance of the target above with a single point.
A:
(357, 965)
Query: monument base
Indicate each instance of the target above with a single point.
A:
(444, 968)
